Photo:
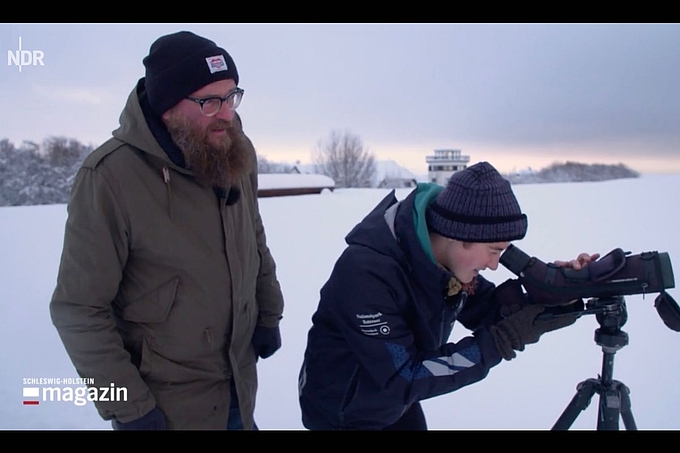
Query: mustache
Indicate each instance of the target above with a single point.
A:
(219, 124)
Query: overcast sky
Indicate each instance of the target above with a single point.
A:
(516, 95)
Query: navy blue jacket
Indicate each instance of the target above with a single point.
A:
(378, 342)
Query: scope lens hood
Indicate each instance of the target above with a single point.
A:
(668, 310)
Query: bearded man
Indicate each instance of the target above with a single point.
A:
(166, 286)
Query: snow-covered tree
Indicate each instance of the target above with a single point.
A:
(32, 174)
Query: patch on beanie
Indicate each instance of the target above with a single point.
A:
(216, 64)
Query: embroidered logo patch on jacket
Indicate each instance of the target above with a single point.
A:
(372, 324)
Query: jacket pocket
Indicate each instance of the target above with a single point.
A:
(145, 362)
(153, 306)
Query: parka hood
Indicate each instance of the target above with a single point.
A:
(410, 243)
(134, 128)
(374, 232)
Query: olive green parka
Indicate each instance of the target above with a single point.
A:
(161, 283)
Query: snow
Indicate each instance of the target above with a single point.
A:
(306, 235)
(293, 181)
(383, 169)
(392, 170)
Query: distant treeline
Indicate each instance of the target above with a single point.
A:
(39, 173)
(573, 172)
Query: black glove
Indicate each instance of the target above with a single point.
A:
(266, 341)
(510, 297)
(522, 328)
(154, 420)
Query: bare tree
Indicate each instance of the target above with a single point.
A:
(343, 157)
(64, 151)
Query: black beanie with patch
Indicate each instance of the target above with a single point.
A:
(181, 63)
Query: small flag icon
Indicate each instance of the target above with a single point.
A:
(29, 394)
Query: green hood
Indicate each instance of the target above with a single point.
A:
(425, 195)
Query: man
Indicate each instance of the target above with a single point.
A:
(166, 285)
(378, 344)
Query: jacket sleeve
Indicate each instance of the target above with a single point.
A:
(374, 314)
(268, 292)
(94, 255)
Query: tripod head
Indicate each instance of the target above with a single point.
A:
(611, 314)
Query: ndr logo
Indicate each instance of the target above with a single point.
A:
(25, 57)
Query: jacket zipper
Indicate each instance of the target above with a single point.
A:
(457, 308)
(166, 178)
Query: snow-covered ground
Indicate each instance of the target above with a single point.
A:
(306, 235)
(383, 169)
(293, 181)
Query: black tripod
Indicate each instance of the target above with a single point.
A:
(614, 395)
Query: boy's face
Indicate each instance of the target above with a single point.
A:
(465, 259)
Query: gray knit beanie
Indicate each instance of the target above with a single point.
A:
(477, 205)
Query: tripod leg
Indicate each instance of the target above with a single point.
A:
(584, 393)
(609, 409)
(615, 401)
(626, 413)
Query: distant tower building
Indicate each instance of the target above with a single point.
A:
(445, 163)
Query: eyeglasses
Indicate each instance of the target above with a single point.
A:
(211, 105)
